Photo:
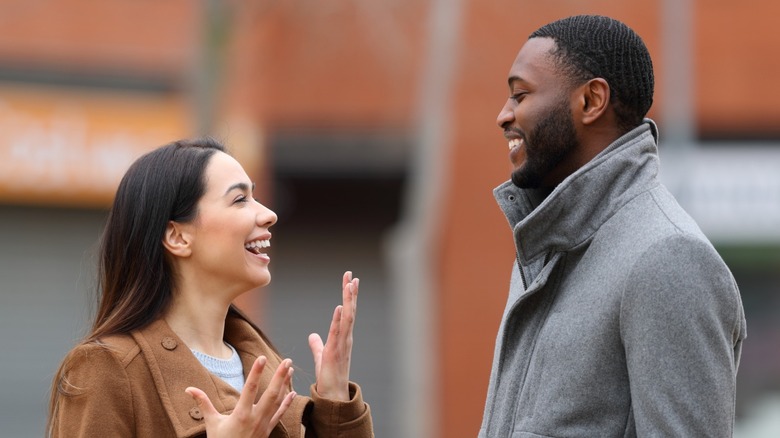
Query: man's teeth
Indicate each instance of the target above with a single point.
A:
(255, 245)
(515, 142)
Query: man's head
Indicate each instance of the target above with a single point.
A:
(576, 85)
(592, 46)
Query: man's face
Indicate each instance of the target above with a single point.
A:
(537, 118)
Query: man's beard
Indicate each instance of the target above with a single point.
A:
(546, 146)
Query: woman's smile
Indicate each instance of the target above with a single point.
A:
(255, 247)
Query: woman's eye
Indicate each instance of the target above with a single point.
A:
(240, 199)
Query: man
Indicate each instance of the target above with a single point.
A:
(622, 320)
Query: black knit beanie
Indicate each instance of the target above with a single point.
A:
(593, 46)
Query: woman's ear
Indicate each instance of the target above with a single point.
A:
(594, 100)
(176, 240)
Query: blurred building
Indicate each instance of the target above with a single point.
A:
(369, 127)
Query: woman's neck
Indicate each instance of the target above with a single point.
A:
(200, 323)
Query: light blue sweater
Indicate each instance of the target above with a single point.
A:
(229, 370)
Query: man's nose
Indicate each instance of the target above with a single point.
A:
(505, 116)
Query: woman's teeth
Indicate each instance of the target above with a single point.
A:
(256, 245)
(515, 142)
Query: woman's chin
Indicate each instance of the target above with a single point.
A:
(261, 280)
(254, 282)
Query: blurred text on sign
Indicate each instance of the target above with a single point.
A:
(71, 146)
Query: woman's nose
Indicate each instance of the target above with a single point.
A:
(265, 217)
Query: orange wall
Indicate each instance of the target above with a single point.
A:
(332, 64)
(337, 63)
(737, 66)
(129, 37)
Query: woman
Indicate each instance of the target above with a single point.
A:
(168, 354)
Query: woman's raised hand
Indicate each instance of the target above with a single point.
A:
(250, 419)
(332, 360)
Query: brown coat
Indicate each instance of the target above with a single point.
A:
(133, 386)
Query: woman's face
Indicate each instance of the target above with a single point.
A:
(230, 233)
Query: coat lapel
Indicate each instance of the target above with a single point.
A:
(174, 368)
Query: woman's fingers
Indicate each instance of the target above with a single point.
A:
(250, 418)
(251, 385)
(286, 402)
(346, 281)
(349, 291)
(316, 346)
(344, 315)
(343, 338)
(356, 287)
(356, 283)
(332, 360)
(348, 311)
(204, 404)
(277, 390)
(277, 397)
(333, 336)
(346, 278)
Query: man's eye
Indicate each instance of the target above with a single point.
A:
(517, 97)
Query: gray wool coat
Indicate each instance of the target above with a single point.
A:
(622, 319)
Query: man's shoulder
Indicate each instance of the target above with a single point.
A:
(643, 230)
(674, 213)
(653, 215)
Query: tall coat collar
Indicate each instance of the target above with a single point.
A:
(581, 203)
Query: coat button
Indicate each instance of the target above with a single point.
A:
(169, 343)
(196, 414)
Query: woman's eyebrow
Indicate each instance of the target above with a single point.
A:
(244, 187)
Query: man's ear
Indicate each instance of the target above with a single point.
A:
(594, 100)
(176, 240)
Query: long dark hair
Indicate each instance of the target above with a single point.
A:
(135, 279)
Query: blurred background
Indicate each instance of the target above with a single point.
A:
(369, 127)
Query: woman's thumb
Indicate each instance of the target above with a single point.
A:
(204, 404)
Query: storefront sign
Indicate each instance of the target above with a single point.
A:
(67, 146)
